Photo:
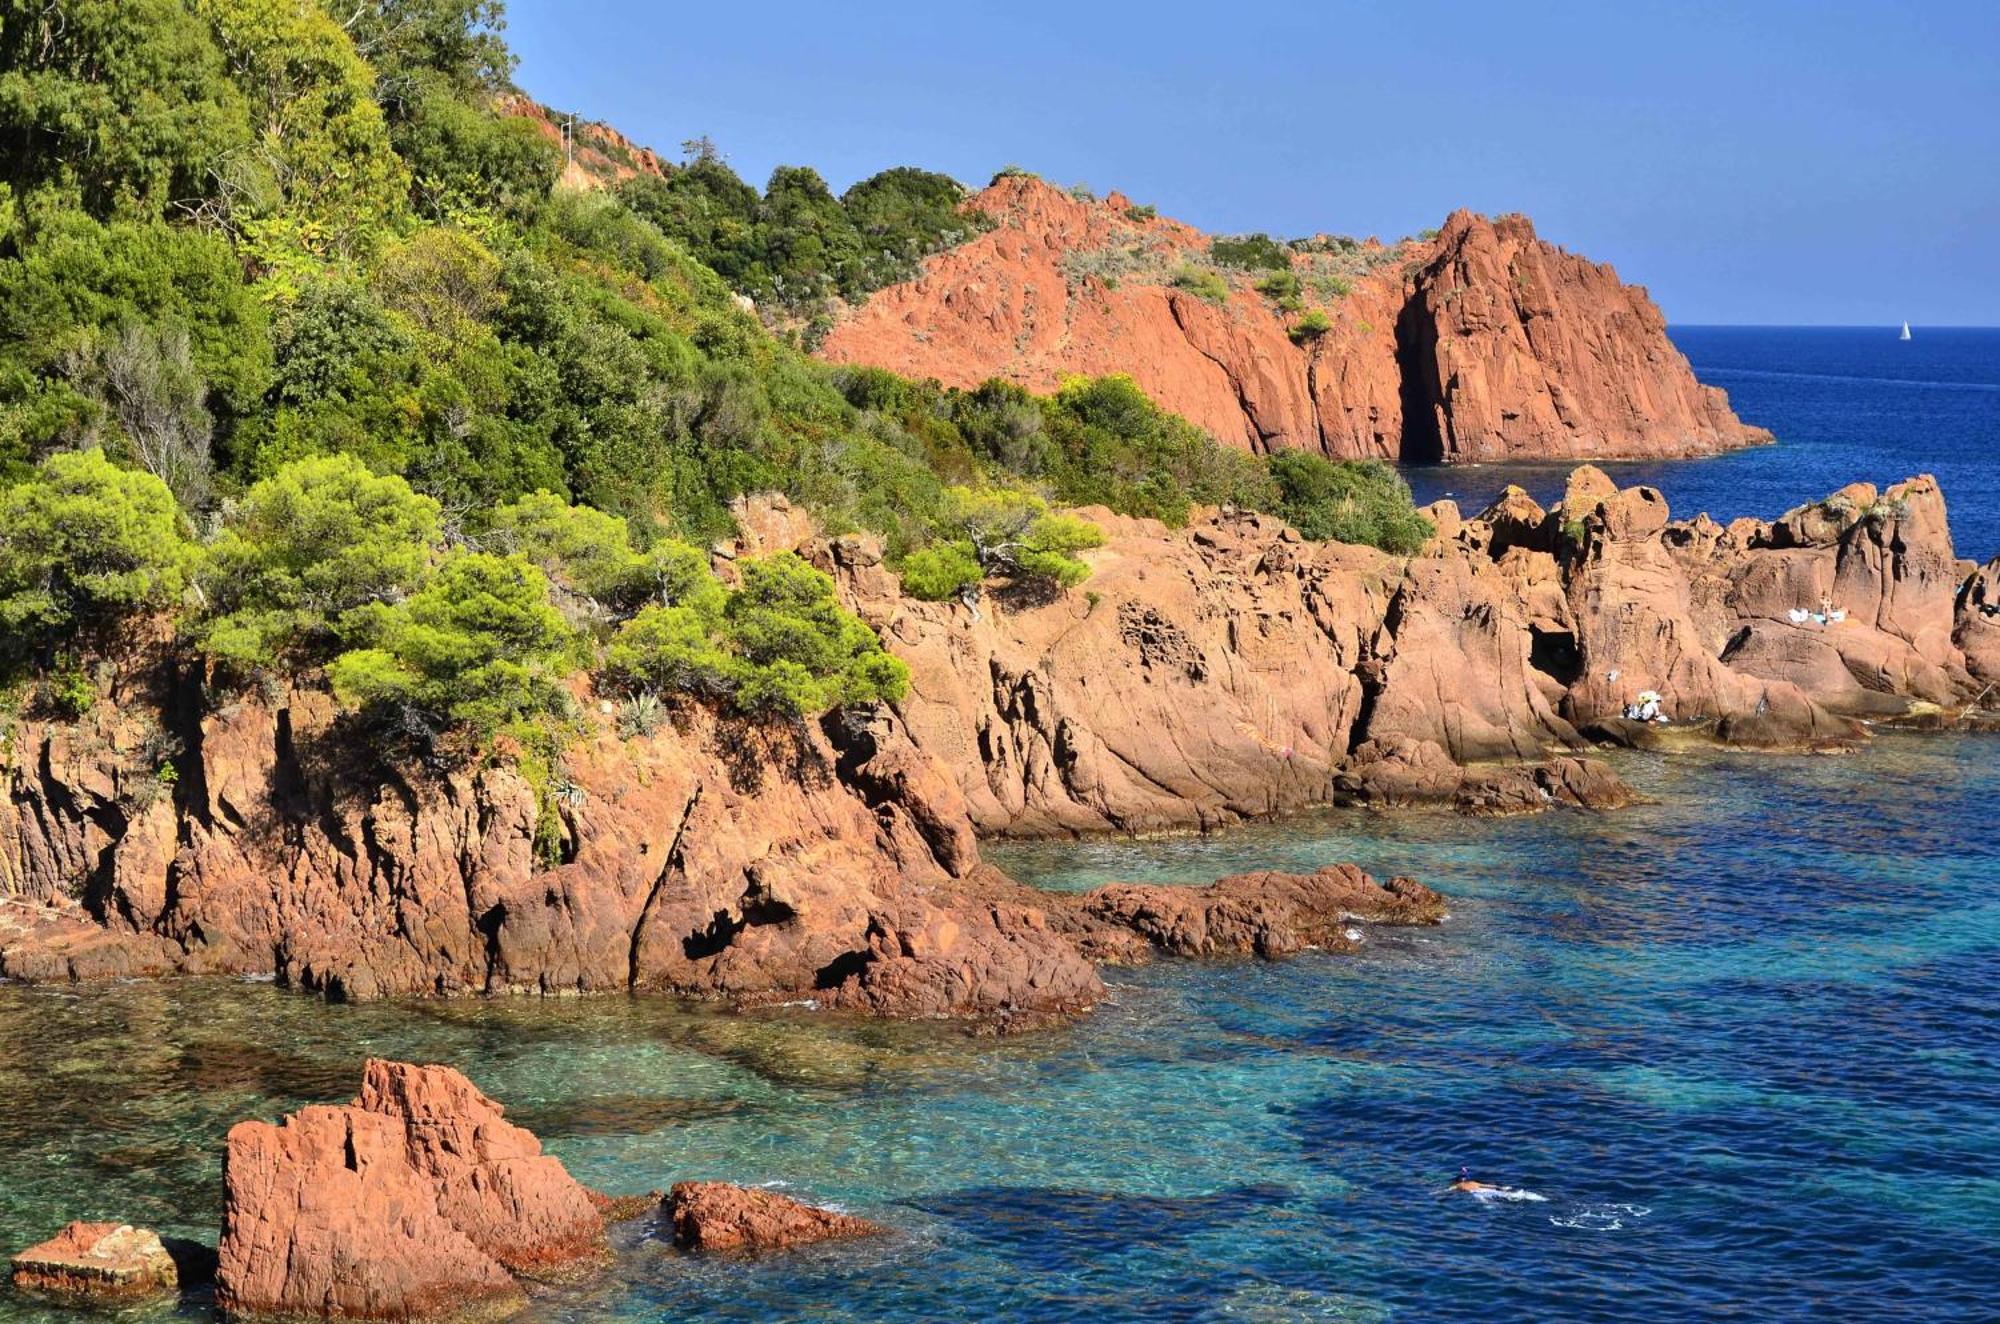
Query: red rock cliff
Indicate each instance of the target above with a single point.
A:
(1483, 343)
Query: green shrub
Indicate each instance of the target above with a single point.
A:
(1251, 252)
(1202, 284)
(1310, 327)
(581, 550)
(945, 570)
(320, 538)
(1356, 501)
(1283, 289)
(798, 651)
(69, 693)
(83, 544)
(1013, 535)
(1140, 212)
(778, 645)
(477, 648)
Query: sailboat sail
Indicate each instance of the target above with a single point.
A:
(1906, 332)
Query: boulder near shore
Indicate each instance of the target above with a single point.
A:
(417, 1200)
(98, 1263)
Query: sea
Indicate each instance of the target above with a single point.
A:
(1848, 404)
(1731, 1054)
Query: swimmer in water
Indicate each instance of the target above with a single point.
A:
(1469, 1186)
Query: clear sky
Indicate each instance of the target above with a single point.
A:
(1765, 161)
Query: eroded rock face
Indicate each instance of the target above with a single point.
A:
(418, 1200)
(1221, 672)
(716, 1216)
(97, 1262)
(1484, 343)
(707, 859)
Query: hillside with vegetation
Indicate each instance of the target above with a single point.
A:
(308, 364)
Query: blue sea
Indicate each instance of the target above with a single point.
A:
(1846, 403)
(1735, 1051)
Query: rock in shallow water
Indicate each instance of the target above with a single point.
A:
(418, 1200)
(713, 1215)
(98, 1261)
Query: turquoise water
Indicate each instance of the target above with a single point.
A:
(1743, 1040)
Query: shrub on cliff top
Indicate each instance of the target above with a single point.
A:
(318, 539)
(81, 543)
(778, 645)
(1357, 501)
(1251, 252)
(478, 647)
(1013, 535)
(1309, 327)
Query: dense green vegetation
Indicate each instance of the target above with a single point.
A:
(305, 359)
(1348, 501)
(797, 247)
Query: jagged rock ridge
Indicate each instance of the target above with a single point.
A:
(1483, 343)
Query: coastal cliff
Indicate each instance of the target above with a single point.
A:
(1481, 343)
(1225, 671)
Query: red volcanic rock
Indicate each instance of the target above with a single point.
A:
(493, 1182)
(97, 1262)
(1977, 627)
(1520, 350)
(1225, 671)
(716, 1216)
(325, 1218)
(417, 1200)
(1267, 914)
(1499, 345)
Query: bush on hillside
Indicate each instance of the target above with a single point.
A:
(82, 543)
(477, 648)
(1310, 327)
(1205, 285)
(319, 539)
(1357, 501)
(1251, 252)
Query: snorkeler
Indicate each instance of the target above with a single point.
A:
(1466, 1184)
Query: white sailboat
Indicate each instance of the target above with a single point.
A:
(1906, 332)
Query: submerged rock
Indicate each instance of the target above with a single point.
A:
(418, 1200)
(716, 1216)
(1267, 914)
(98, 1262)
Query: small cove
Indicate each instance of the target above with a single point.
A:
(1757, 1009)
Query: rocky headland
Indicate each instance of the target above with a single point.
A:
(1225, 671)
(1481, 342)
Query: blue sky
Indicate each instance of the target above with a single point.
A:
(1766, 161)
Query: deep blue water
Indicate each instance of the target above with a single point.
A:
(1846, 404)
(1743, 1040)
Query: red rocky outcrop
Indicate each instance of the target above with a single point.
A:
(1482, 343)
(708, 859)
(419, 1199)
(98, 1262)
(716, 1216)
(1224, 671)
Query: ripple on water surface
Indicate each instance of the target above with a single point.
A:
(1742, 1040)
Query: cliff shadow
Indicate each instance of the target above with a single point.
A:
(1416, 371)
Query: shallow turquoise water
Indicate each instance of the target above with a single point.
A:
(1743, 1040)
